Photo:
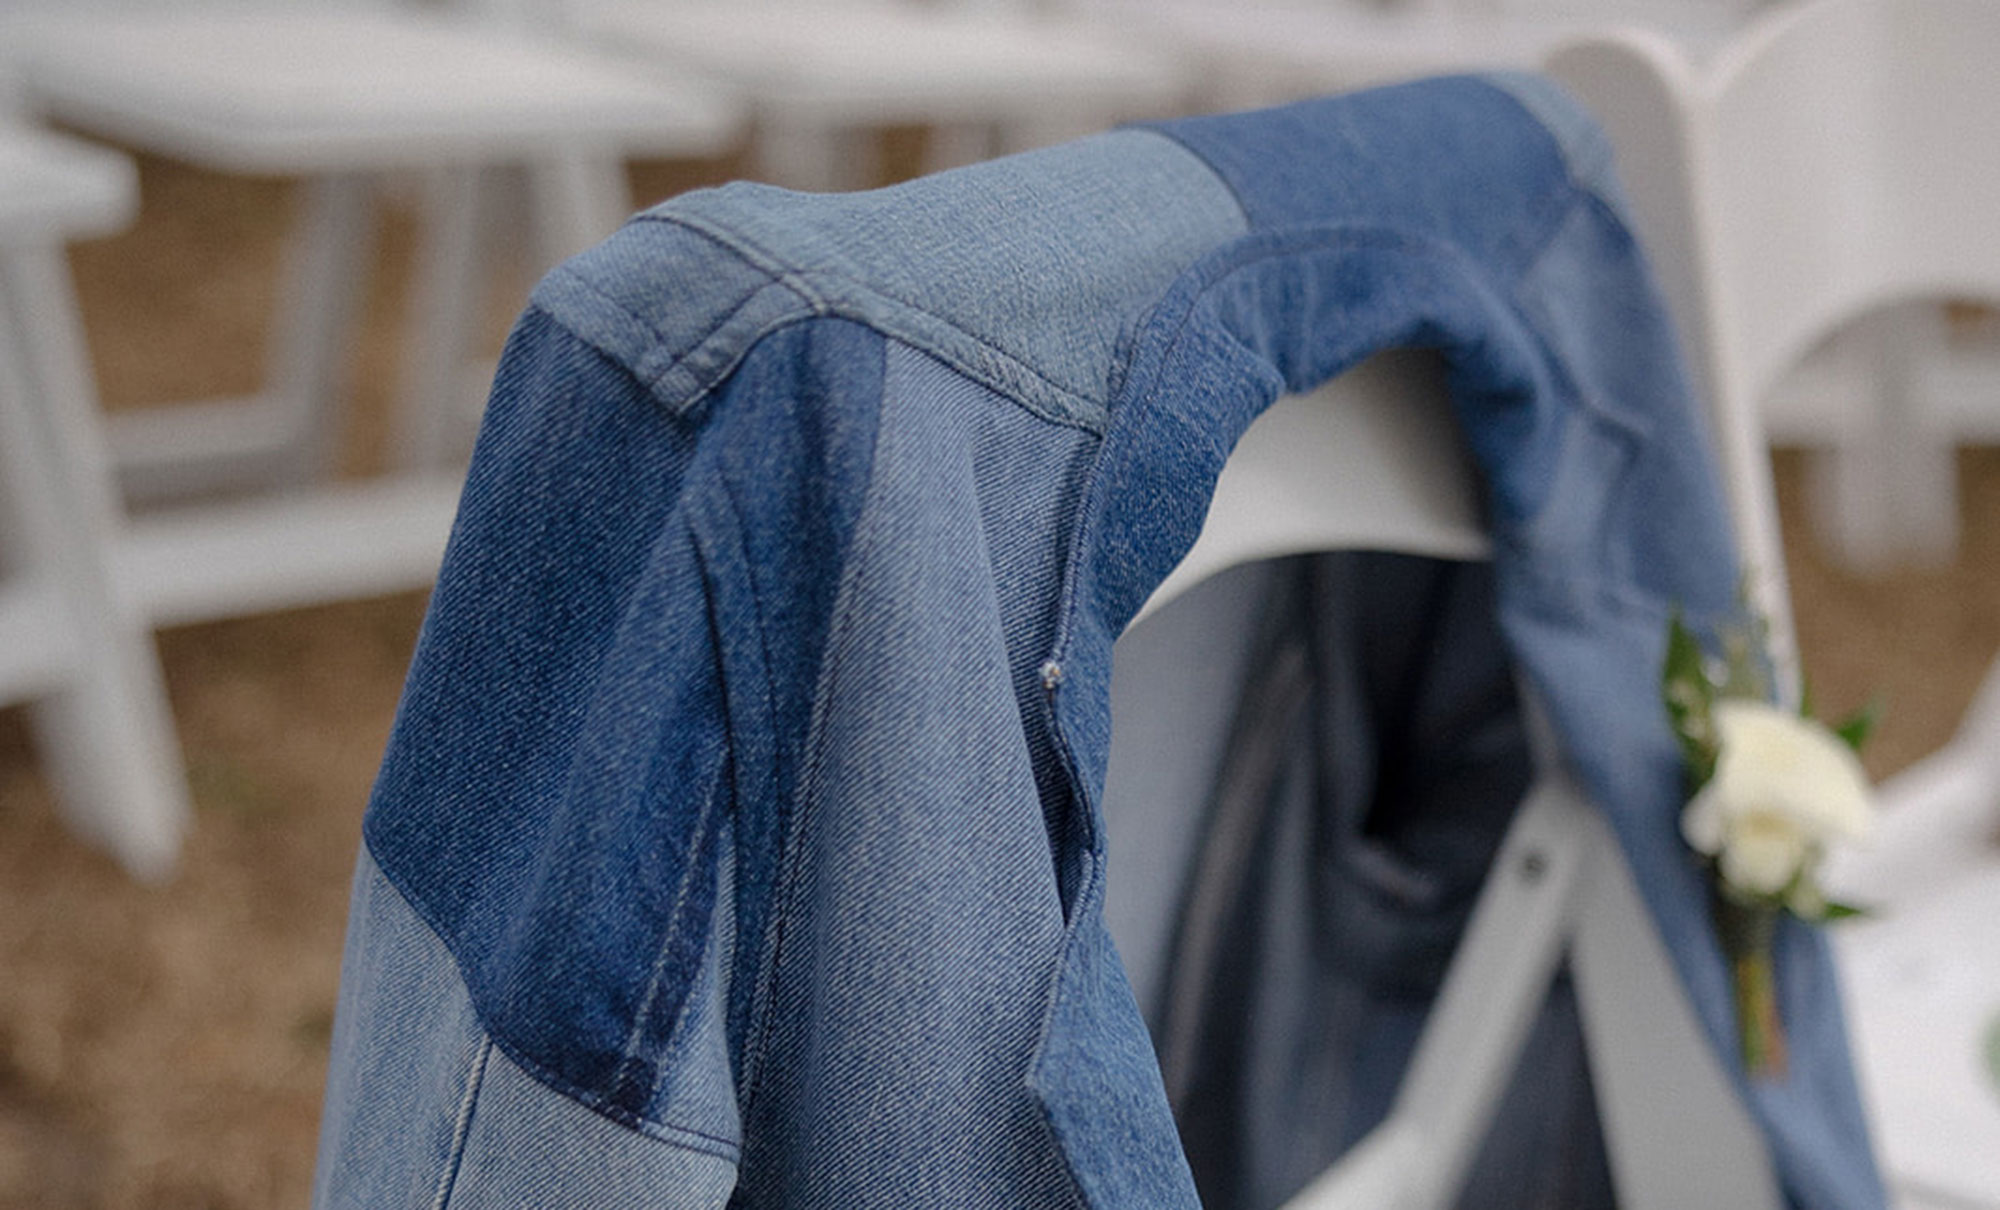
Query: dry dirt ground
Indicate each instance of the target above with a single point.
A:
(163, 1047)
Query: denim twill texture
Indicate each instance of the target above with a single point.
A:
(739, 837)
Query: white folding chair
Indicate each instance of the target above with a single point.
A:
(1372, 461)
(822, 77)
(72, 642)
(339, 95)
(1830, 166)
(1833, 171)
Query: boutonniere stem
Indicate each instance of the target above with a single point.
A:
(1748, 933)
(1770, 791)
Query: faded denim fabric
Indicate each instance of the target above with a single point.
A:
(739, 839)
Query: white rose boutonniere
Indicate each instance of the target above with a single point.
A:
(1784, 788)
(1772, 790)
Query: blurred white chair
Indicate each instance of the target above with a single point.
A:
(822, 77)
(1941, 819)
(1272, 51)
(71, 642)
(1833, 165)
(1373, 461)
(1923, 990)
(339, 95)
(1835, 174)
(1923, 974)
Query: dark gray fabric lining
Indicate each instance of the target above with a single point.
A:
(1372, 765)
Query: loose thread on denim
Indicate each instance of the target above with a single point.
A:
(462, 1129)
(631, 1065)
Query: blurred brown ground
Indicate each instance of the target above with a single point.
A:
(164, 1047)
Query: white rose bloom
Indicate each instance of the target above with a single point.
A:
(1784, 788)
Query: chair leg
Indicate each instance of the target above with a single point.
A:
(578, 200)
(104, 726)
(1923, 475)
(444, 309)
(46, 330)
(322, 292)
(1662, 1097)
(805, 154)
(1417, 1158)
(574, 201)
(1887, 492)
(114, 758)
(288, 431)
(1560, 883)
(1049, 129)
(956, 144)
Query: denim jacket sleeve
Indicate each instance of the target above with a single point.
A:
(738, 839)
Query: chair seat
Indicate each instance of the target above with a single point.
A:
(1290, 50)
(54, 188)
(296, 92)
(345, 540)
(1280, 49)
(863, 61)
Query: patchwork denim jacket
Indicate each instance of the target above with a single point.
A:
(739, 837)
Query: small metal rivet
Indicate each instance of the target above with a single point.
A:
(1052, 675)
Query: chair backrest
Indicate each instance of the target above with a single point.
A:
(1831, 161)
(1847, 166)
(1373, 461)
(1370, 461)
(1702, 21)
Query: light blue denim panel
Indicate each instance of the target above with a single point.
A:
(407, 1051)
(529, 1148)
(422, 1109)
(925, 919)
(679, 334)
(1033, 309)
